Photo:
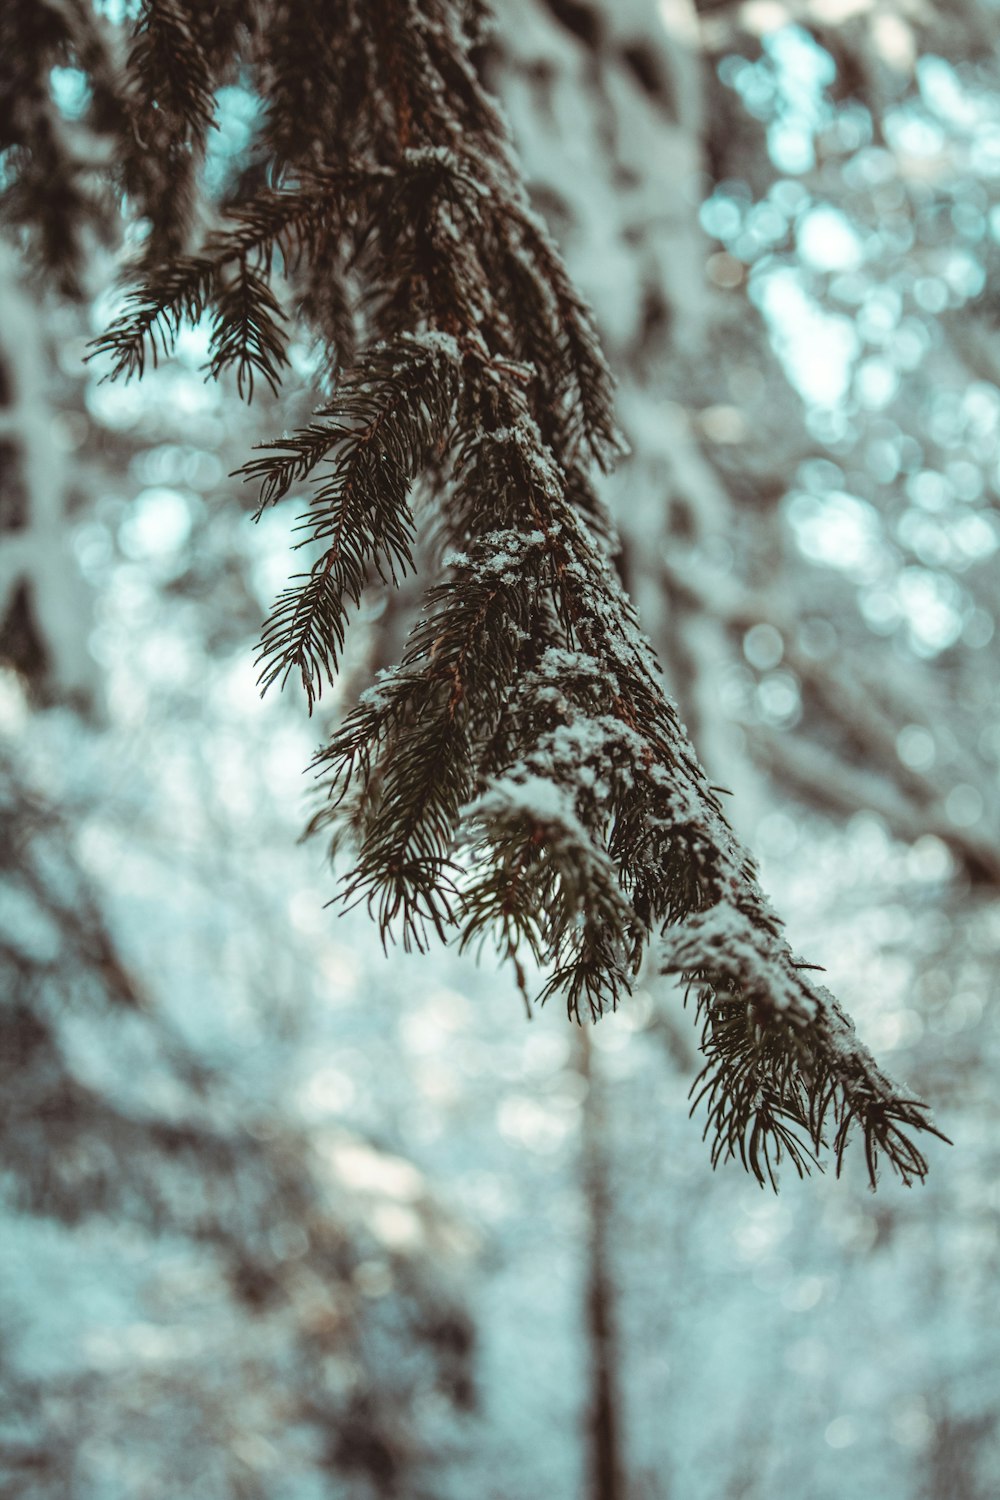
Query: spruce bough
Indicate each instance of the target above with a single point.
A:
(521, 775)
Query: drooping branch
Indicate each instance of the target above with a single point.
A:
(521, 772)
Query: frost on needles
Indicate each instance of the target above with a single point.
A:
(521, 775)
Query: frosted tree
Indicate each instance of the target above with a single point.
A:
(520, 775)
(132, 1162)
(635, 122)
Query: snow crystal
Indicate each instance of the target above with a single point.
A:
(376, 697)
(436, 342)
(540, 798)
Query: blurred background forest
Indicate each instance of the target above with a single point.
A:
(287, 1219)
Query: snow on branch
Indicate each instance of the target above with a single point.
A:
(522, 772)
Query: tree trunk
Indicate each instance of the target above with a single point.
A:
(607, 1476)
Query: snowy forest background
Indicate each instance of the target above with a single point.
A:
(286, 1217)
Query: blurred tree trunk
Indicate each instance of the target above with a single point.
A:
(44, 603)
(608, 1466)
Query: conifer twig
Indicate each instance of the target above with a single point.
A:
(522, 772)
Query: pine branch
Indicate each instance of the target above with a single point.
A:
(232, 275)
(584, 390)
(387, 420)
(287, 460)
(449, 691)
(170, 67)
(175, 294)
(51, 193)
(247, 334)
(786, 1064)
(522, 774)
